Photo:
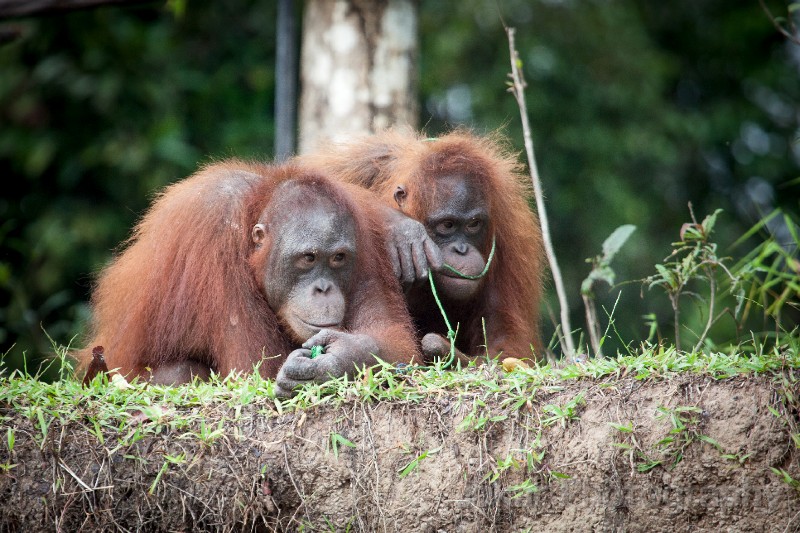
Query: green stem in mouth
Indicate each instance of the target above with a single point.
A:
(485, 269)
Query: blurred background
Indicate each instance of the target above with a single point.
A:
(637, 109)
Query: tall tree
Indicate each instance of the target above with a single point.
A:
(358, 68)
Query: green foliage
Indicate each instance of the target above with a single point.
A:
(765, 278)
(109, 402)
(637, 107)
(769, 275)
(602, 271)
(414, 463)
(336, 441)
(100, 108)
(120, 415)
(563, 413)
(523, 489)
(694, 258)
(601, 264)
(785, 477)
(316, 351)
(168, 460)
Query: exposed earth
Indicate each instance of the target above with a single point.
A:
(690, 453)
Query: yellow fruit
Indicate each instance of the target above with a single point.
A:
(510, 363)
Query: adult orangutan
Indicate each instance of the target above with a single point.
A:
(467, 193)
(249, 263)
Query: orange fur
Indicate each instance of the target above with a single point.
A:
(512, 290)
(184, 286)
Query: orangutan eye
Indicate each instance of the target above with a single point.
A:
(445, 227)
(474, 225)
(306, 260)
(338, 259)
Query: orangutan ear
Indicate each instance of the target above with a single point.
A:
(400, 195)
(258, 234)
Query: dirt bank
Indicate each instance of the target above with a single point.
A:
(686, 454)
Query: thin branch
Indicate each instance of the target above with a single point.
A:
(713, 283)
(27, 8)
(593, 325)
(791, 36)
(518, 90)
(676, 313)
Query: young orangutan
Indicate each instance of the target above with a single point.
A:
(249, 263)
(468, 196)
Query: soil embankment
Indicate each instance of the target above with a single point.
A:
(685, 454)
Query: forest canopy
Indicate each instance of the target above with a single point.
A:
(637, 107)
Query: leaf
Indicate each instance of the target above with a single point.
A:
(709, 440)
(414, 463)
(616, 240)
(709, 221)
(336, 441)
(646, 467)
(667, 275)
(406, 470)
(42, 424)
(151, 412)
(602, 271)
(690, 232)
(605, 273)
(756, 228)
(622, 427)
(526, 487)
(316, 351)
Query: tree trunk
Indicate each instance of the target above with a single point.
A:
(358, 68)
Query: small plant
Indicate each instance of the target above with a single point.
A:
(694, 258)
(501, 466)
(168, 460)
(336, 441)
(685, 430)
(43, 425)
(601, 271)
(563, 413)
(523, 489)
(786, 478)
(414, 463)
(479, 417)
(639, 460)
(622, 428)
(737, 457)
(10, 440)
(769, 275)
(207, 435)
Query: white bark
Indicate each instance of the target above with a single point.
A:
(358, 68)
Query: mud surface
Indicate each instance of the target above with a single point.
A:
(687, 454)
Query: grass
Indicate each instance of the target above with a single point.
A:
(172, 441)
(105, 407)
